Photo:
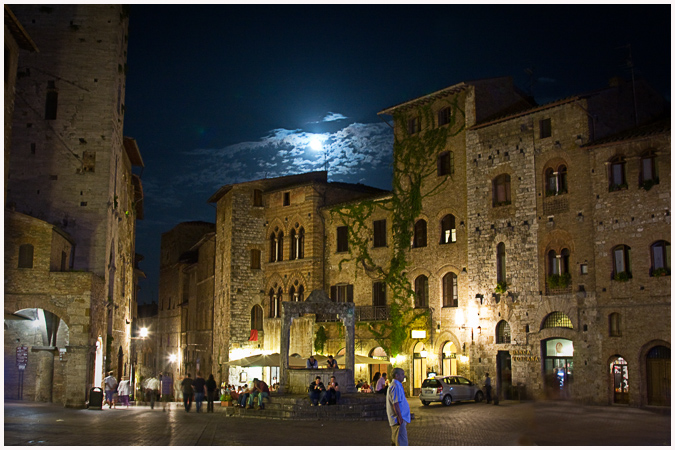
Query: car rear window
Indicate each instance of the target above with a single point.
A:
(430, 383)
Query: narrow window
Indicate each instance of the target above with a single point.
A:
(621, 263)
(615, 324)
(287, 198)
(380, 233)
(379, 293)
(501, 262)
(294, 249)
(503, 332)
(648, 173)
(300, 245)
(255, 259)
(421, 292)
(617, 174)
(446, 163)
(420, 237)
(553, 263)
(414, 125)
(660, 252)
(256, 318)
(272, 303)
(342, 239)
(448, 230)
(501, 190)
(544, 128)
(444, 116)
(342, 293)
(257, 197)
(280, 246)
(551, 182)
(450, 290)
(26, 256)
(273, 248)
(300, 295)
(51, 104)
(562, 180)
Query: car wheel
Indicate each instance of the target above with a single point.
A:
(425, 403)
(479, 397)
(447, 400)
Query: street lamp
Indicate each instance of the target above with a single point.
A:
(172, 358)
(143, 333)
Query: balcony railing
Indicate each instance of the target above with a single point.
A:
(362, 313)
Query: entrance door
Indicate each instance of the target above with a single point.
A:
(504, 380)
(558, 367)
(449, 358)
(419, 367)
(658, 376)
(619, 370)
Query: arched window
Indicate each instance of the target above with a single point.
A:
(448, 230)
(291, 294)
(257, 197)
(648, 173)
(621, 263)
(446, 163)
(660, 253)
(501, 262)
(503, 332)
(551, 182)
(297, 243)
(501, 190)
(421, 292)
(562, 180)
(26, 256)
(617, 174)
(300, 296)
(556, 319)
(450, 290)
(420, 238)
(280, 295)
(280, 246)
(273, 248)
(615, 324)
(553, 266)
(293, 245)
(256, 318)
(273, 303)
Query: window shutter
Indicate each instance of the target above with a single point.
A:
(350, 293)
(333, 293)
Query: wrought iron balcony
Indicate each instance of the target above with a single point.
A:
(363, 314)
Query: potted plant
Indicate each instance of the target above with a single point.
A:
(502, 287)
(225, 400)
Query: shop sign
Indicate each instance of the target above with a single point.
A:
(22, 357)
(523, 355)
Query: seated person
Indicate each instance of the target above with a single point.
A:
(331, 363)
(317, 392)
(381, 387)
(243, 396)
(260, 391)
(333, 392)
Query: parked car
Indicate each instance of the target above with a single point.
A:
(448, 389)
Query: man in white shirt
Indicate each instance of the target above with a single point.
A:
(398, 410)
(110, 383)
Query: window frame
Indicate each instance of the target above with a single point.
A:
(503, 332)
(617, 168)
(445, 163)
(502, 180)
(256, 259)
(379, 233)
(664, 269)
(342, 239)
(624, 251)
(26, 256)
(545, 128)
(647, 183)
(257, 318)
(444, 116)
(501, 262)
(414, 125)
(422, 291)
(450, 290)
(420, 234)
(614, 324)
(448, 229)
(379, 293)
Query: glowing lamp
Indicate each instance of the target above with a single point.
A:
(463, 359)
(172, 358)
(423, 353)
(143, 332)
(419, 334)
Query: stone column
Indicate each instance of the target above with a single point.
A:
(285, 344)
(45, 373)
(348, 321)
(76, 376)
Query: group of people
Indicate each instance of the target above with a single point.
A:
(115, 391)
(321, 395)
(199, 389)
(245, 396)
(379, 384)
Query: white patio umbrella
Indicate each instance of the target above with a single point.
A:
(272, 360)
(359, 359)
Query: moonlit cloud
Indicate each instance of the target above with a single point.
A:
(332, 117)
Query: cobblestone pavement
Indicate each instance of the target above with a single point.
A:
(510, 423)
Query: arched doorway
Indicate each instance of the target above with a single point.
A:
(378, 353)
(658, 376)
(449, 359)
(619, 370)
(558, 366)
(419, 366)
(98, 363)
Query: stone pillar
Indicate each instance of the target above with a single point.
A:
(348, 321)
(45, 373)
(285, 344)
(76, 376)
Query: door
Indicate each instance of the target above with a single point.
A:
(419, 367)
(504, 378)
(658, 376)
(619, 370)
(558, 367)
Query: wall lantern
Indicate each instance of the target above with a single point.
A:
(423, 353)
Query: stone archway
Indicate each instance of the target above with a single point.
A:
(317, 302)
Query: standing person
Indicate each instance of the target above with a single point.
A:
(260, 391)
(398, 410)
(331, 363)
(317, 392)
(110, 388)
(333, 391)
(312, 363)
(186, 387)
(152, 389)
(376, 378)
(167, 391)
(199, 386)
(381, 387)
(123, 391)
(211, 387)
(488, 388)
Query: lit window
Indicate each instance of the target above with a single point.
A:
(448, 230)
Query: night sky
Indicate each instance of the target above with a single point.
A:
(221, 94)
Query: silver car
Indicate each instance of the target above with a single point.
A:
(448, 389)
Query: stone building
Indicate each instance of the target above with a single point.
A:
(541, 252)
(184, 324)
(73, 201)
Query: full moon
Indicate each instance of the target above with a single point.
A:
(315, 144)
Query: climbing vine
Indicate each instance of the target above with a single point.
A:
(415, 179)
